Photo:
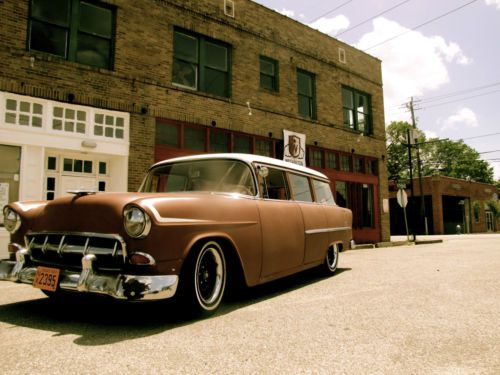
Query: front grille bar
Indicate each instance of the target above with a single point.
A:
(71, 243)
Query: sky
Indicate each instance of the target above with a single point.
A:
(445, 54)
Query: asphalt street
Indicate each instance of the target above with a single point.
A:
(425, 309)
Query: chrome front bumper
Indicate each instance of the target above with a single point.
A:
(120, 286)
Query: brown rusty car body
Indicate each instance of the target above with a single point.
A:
(194, 224)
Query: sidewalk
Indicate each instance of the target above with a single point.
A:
(421, 239)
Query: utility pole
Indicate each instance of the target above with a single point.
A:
(423, 216)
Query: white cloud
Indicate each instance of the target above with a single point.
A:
(411, 64)
(493, 2)
(430, 134)
(287, 12)
(464, 117)
(331, 25)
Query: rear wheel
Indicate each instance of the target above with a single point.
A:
(331, 259)
(204, 280)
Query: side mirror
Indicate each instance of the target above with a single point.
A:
(263, 171)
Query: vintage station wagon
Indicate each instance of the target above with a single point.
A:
(197, 225)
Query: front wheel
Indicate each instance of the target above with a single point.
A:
(205, 278)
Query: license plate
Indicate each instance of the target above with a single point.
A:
(46, 278)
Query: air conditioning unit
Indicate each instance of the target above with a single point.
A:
(229, 8)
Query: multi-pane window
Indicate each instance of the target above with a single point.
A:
(109, 126)
(220, 141)
(77, 165)
(167, 134)
(68, 120)
(359, 165)
(316, 158)
(345, 163)
(24, 113)
(242, 144)
(371, 167)
(306, 94)
(342, 197)
(263, 147)
(194, 138)
(331, 160)
(269, 74)
(75, 30)
(357, 110)
(200, 63)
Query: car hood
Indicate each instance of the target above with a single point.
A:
(101, 213)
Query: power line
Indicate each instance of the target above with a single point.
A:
(488, 152)
(421, 25)
(331, 11)
(457, 100)
(371, 18)
(480, 136)
(459, 92)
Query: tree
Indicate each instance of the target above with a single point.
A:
(397, 151)
(438, 156)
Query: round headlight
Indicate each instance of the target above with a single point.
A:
(136, 222)
(11, 220)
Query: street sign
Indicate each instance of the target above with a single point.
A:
(402, 198)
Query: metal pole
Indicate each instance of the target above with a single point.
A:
(412, 194)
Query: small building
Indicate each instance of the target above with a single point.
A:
(93, 93)
(450, 206)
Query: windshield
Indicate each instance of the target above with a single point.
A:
(227, 176)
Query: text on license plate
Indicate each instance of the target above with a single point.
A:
(46, 278)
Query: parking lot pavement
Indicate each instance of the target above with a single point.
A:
(427, 309)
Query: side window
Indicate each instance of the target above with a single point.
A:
(300, 187)
(274, 185)
(323, 192)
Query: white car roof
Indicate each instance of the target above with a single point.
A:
(247, 158)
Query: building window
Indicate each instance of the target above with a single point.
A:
(68, 120)
(357, 110)
(200, 63)
(306, 94)
(359, 165)
(109, 126)
(75, 30)
(77, 166)
(268, 74)
(24, 113)
(367, 205)
(345, 163)
(341, 194)
(242, 144)
(371, 167)
(316, 158)
(220, 141)
(167, 134)
(194, 138)
(331, 160)
(263, 147)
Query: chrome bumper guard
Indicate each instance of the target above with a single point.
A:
(130, 287)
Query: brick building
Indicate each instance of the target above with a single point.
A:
(93, 92)
(448, 202)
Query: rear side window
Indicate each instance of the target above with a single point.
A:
(300, 188)
(323, 192)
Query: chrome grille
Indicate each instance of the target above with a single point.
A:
(67, 249)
